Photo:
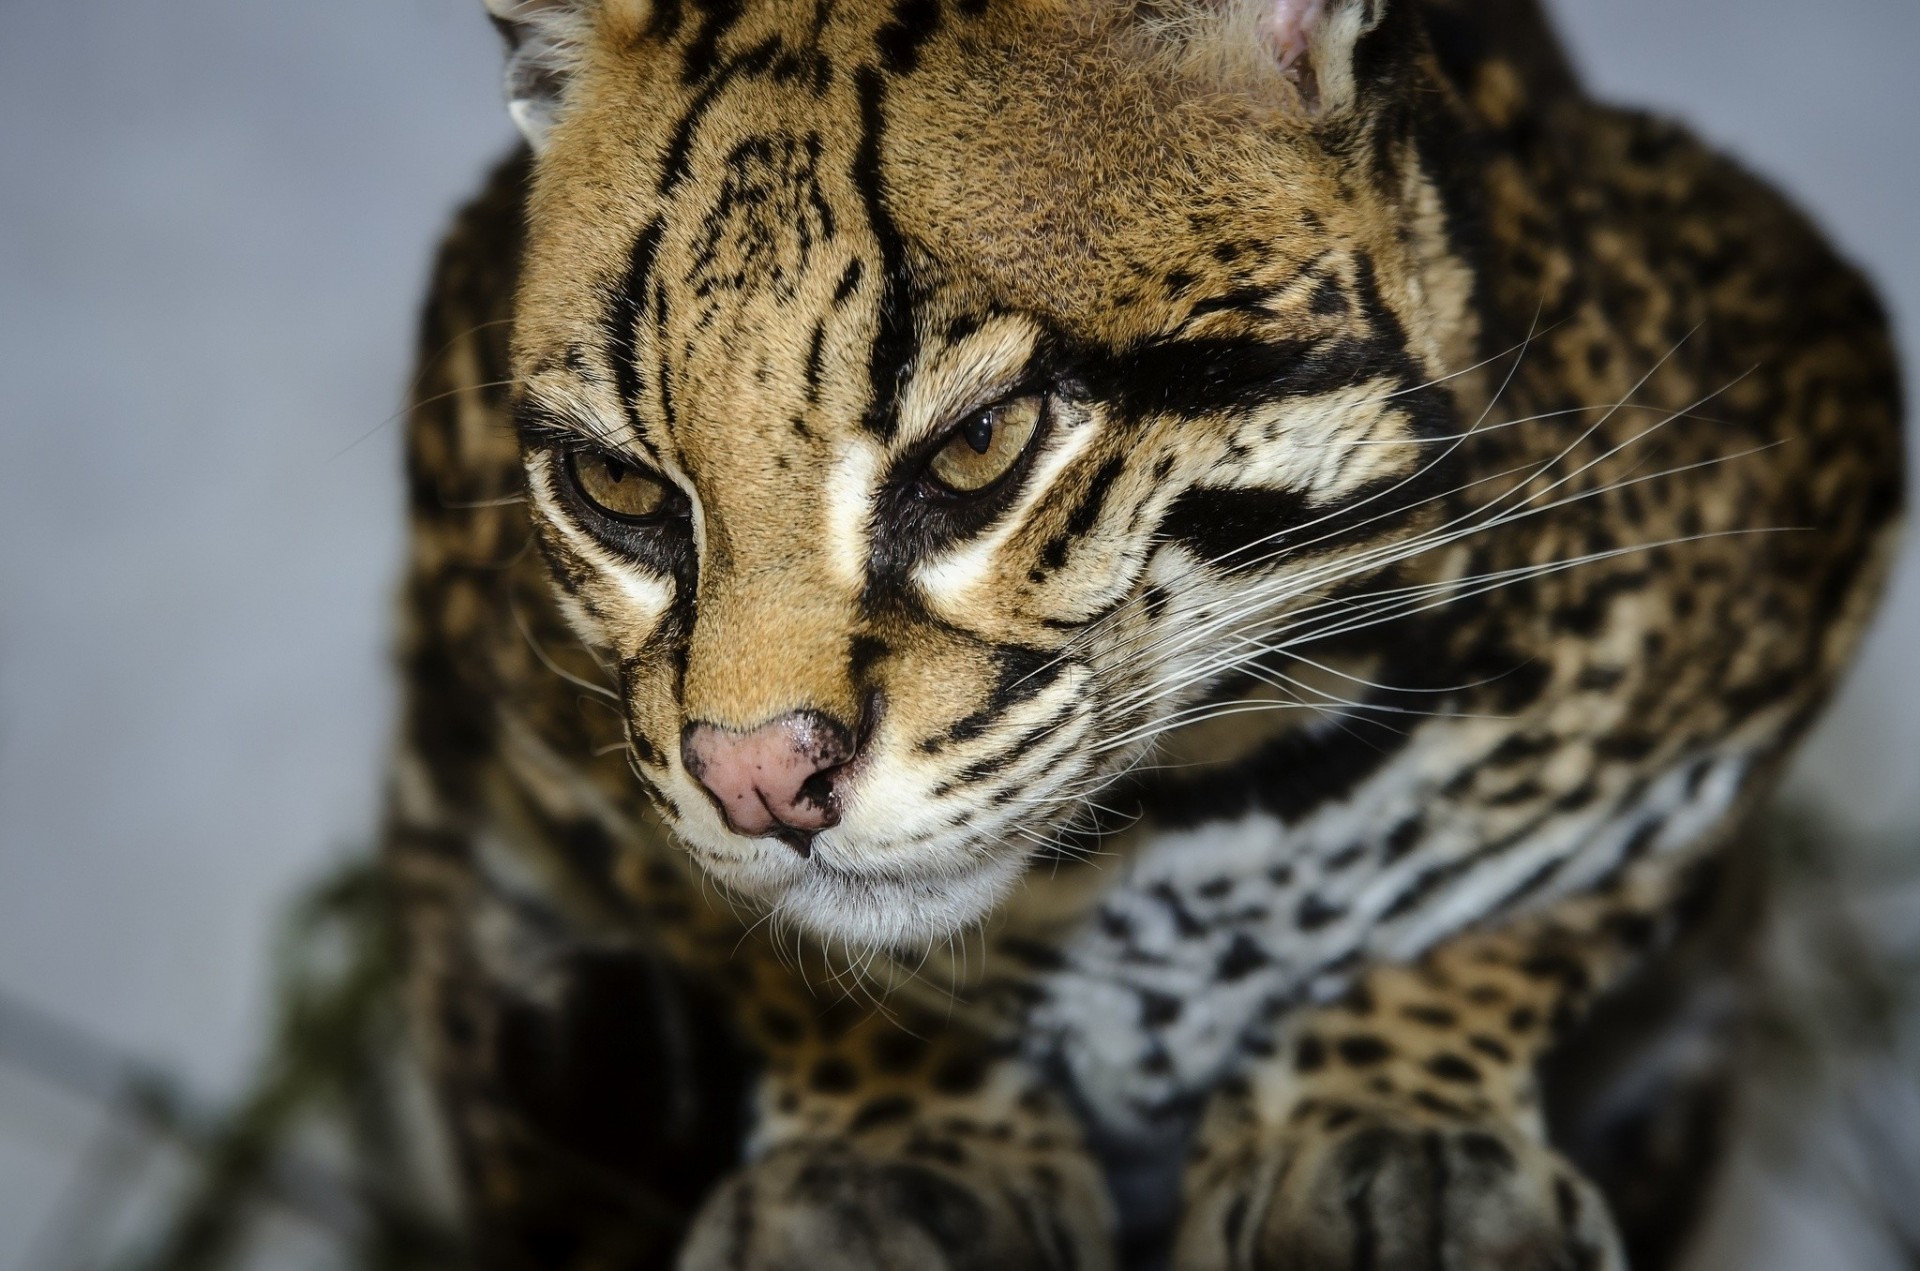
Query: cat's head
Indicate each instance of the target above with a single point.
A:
(924, 401)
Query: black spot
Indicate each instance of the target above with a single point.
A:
(1021, 674)
(1085, 513)
(1453, 1068)
(1219, 524)
(1329, 299)
(1523, 792)
(1495, 1050)
(1578, 797)
(1346, 857)
(834, 1075)
(588, 849)
(1439, 1106)
(864, 654)
(1641, 842)
(914, 22)
(963, 326)
(1521, 748)
(1157, 1010)
(716, 17)
(1241, 959)
(1601, 679)
(1362, 1050)
(1359, 1001)
(882, 1111)
(849, 283)
(623, 1078)
(960, 1075)
(1430, 881)
(1636, 931)
(1626, 747)
(1037, 956)
(815, 351)
(1340, 1115)
(1184, 922)
(1310, 1054)
(898, 1052)
(1568, 971)
(1315, 913)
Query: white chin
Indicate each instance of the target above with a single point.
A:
(893, 913)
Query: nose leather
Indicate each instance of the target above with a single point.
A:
(773, 778)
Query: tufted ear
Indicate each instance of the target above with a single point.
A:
(546, 42)
(1328, 54)
(1321, 47)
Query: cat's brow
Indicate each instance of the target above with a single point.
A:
(543, 419)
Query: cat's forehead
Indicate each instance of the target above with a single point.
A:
(1025, 143)
(766, 230)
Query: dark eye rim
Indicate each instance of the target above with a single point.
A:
(917, 515)
(931, 489)
(673, 505)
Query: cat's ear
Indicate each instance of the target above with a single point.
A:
(1325, 57)
(1332, 51)
(547, 40)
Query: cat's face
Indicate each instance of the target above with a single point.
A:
(920, 415)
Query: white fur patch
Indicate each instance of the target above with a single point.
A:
(849, 509)
(647, 595)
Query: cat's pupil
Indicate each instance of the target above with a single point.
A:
(616, 472)
(979, 433)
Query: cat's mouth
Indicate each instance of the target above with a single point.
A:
(922, 896)
(901, 910)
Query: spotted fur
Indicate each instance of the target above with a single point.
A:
(1453, 499)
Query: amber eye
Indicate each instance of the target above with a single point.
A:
(616, 487)
(985, 447)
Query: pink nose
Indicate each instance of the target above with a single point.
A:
(776, 779)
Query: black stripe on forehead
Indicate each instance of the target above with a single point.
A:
(894, 335)
(1194, 376)
(621, 324)
(676, 167)
(914, 23)
(716, 17)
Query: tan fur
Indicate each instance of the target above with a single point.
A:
(1454, 500)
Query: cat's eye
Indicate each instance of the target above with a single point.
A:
(986, 445)
(617, 488)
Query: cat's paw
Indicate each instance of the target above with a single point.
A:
(810, 1208)
(1381, 1194)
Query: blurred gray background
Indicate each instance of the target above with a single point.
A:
(215, 222)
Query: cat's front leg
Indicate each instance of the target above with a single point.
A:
(1400, 1128)
(881, 1150)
